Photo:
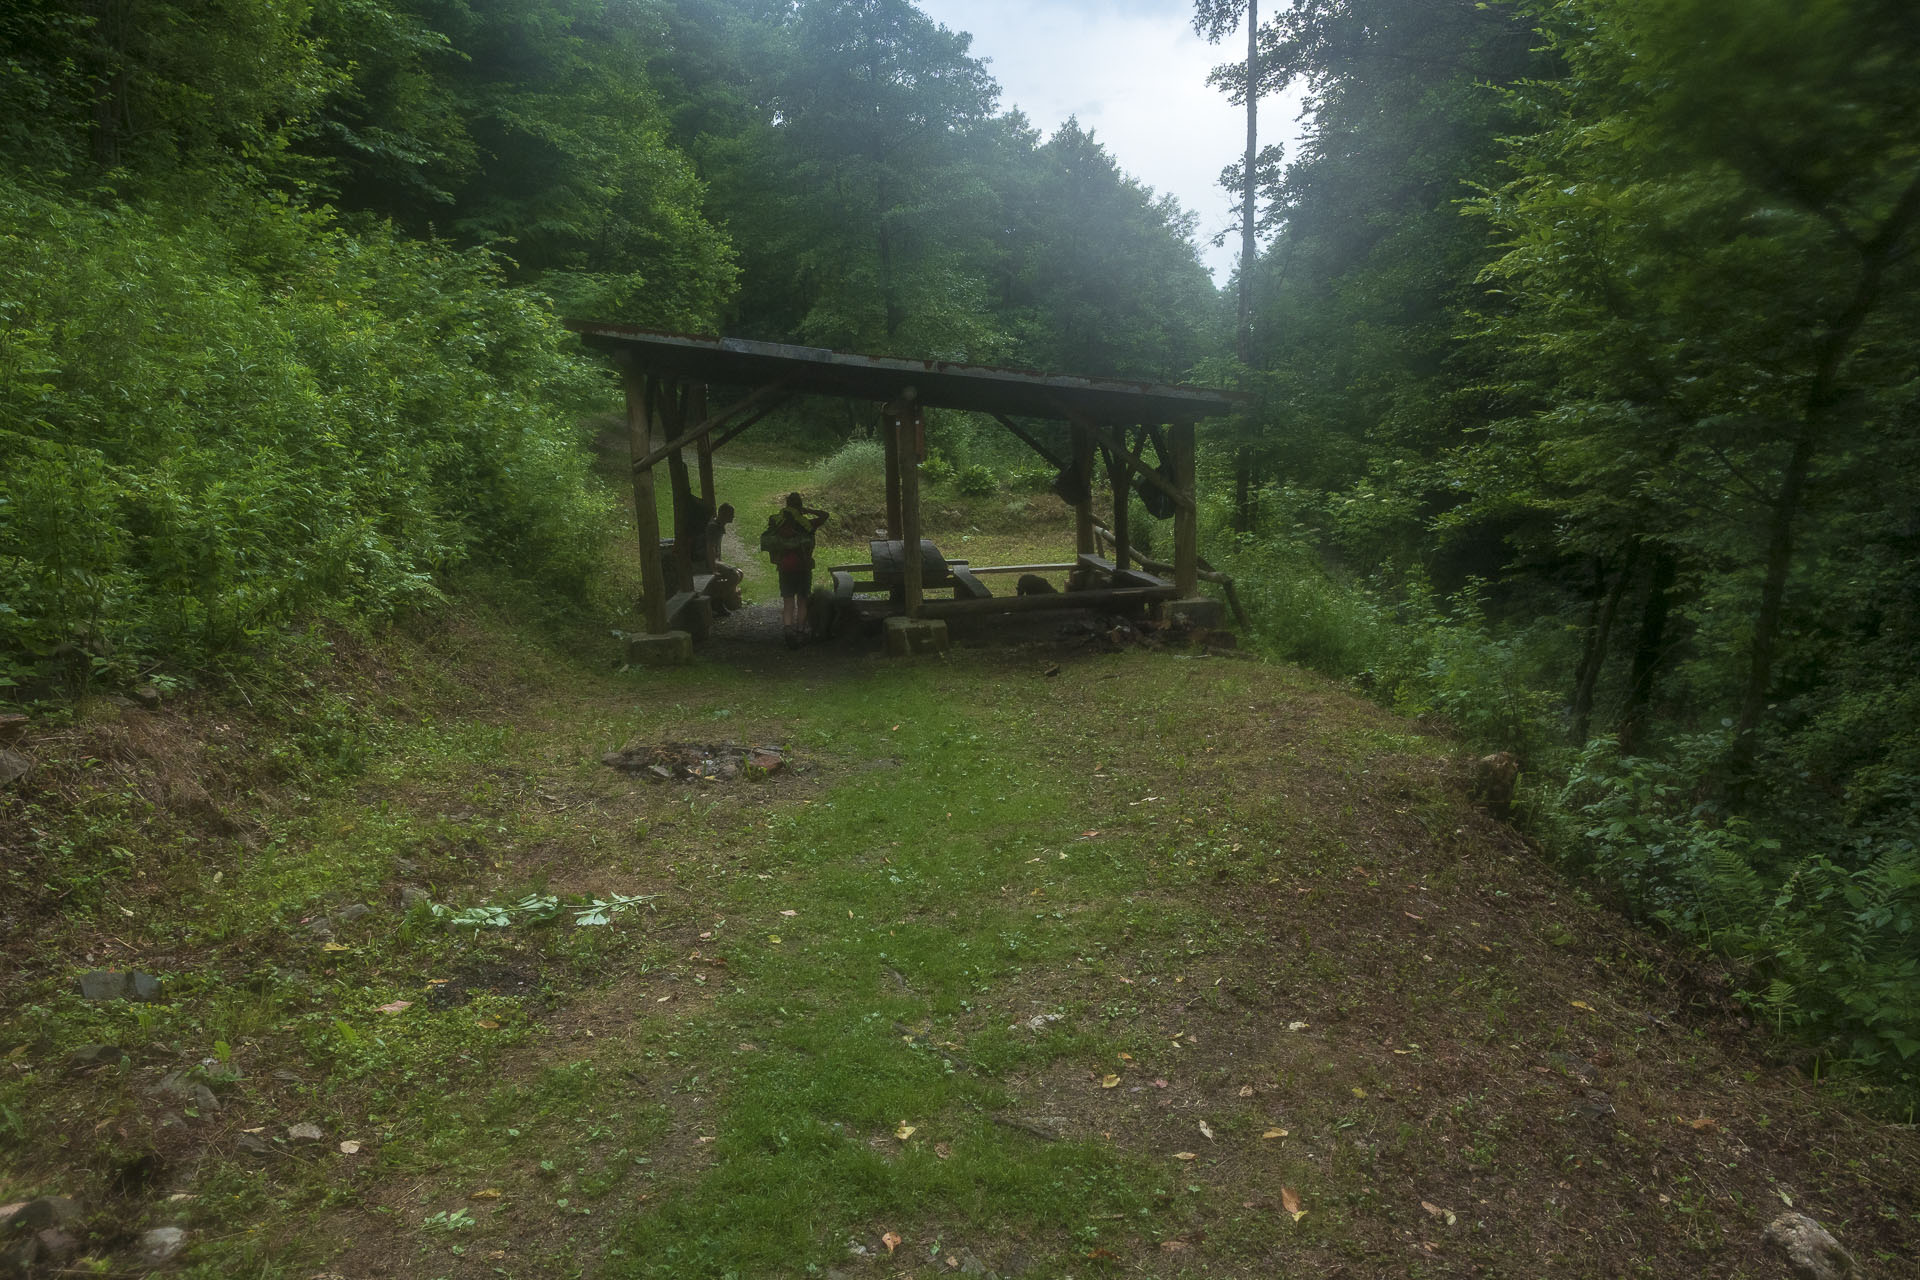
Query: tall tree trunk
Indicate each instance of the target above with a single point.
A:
(1875, 255)
(1599, 633)
(1648, 649)
(1243, 462)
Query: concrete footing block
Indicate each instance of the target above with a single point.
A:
(668, 649)
(1200, 611)
(908, 636)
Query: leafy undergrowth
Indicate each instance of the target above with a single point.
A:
(1158, 965)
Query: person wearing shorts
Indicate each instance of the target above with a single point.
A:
(788, 542)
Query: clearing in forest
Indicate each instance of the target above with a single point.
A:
(1030, 960)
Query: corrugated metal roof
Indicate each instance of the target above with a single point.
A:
(934, 383)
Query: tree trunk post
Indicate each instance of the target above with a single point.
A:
(642, 393)
(678, 404)
(890, 427)
(1083, 540)
(1186, 516)
(703, 452)
(905, 432)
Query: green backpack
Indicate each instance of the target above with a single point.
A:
(786, 542)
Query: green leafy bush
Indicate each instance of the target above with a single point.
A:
(976, 482)
(212, 424)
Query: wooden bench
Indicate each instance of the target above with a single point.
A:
(966, 586)
(691, 612)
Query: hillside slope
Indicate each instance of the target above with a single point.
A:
(1033, 960)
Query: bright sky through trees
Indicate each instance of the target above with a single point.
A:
(1135, 74)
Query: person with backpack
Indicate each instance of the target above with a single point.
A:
(788, 542)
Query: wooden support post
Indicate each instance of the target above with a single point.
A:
(642, 391)
(678, 405)
(1186, 515)
(906, 428)
(1083, 543)
(890, 442)
(703, 451)
(1118, 474)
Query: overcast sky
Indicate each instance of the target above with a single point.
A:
(1135, 74)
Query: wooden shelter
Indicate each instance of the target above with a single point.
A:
(667, 376)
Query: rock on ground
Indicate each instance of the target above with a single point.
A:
(162, 1245)
(1810, 1248)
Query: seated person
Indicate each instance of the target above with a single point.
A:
(725, 591)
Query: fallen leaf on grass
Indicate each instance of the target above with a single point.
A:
(905, 1131)
(1109, 1082)
(1701, 1124)
(942, 1149)
(1274, 1133)
(1246, 1091)
(789, 914)
(1581, 1004)
(1358, 1092)
(1291, 1199)
(1102, 1255)
(1174, 1246)
(336, 946)
(1296, 1026)
(705, 936)
(1436, 1211)
(398, 1006)
(892, 1238)
(1186, 1155)
(349, 1148)
(1206, 1130)
(1126, 1057)
(486, 1193)
(487, 1024)
(1159, 1084)
(773, 937)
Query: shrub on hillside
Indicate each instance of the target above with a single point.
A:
(210, 426)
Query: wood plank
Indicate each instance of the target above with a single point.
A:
(1019, 568)
(890, 446)
(910, 511)
(642, 391)
(1106, 439)
(1083, 542)
(1186, 516)
(764, 400)
(1105, 597)
(1030, 442)
(966, 586)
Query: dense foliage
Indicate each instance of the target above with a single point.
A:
(282, 283)
(1587, 353)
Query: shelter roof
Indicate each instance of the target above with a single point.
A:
(936, 384)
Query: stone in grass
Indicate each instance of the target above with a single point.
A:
(13, 767)
(96, 1055)
(347, 915)
(162, 1245)
(35, 1215)
(305, 1133)
(57, 1248)
(1810, 1249)
(114, 984)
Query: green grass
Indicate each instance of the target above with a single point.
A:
(1169, 861)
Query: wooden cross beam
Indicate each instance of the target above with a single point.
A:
(1114, 446)
(764, 400)
(1032, 443)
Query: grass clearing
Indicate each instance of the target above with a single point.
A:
(1073, 975)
